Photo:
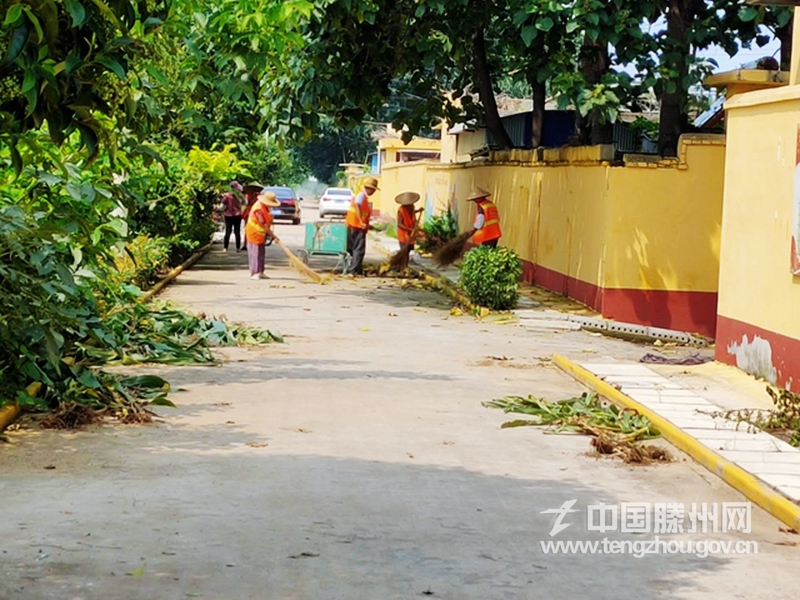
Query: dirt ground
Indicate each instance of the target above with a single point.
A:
(355, 461)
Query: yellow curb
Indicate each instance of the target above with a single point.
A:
(9, 412)
(170, 277)
(754, 489)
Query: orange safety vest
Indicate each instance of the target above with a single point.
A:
(491, 224)
(358, 216)
(407, 218)
(254, 232)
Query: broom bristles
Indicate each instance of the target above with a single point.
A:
(299, 265)
(399, 260)
(451, 251)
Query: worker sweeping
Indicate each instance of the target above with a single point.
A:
(485, 230)
(486, 227)
(257, 230)
(357, 221)
(407, 228)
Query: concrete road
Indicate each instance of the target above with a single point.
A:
(354, 462)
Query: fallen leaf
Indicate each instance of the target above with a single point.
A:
(786, 543)
(312, 297)
(365, 329)
(221, 404)
(307, 309)
(50, 467)
(169, 553)
(410, 455)
(230, 422)
(448, 443)
(137, 573)
(305, 555)
(301, 430)
(392, 314)
(787, 530)
(456, 312)
(257, 444)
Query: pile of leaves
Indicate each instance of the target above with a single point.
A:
(615, 431)
(782, 421)
(437, 231)
(490, 277)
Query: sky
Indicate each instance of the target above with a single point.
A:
(746, 55)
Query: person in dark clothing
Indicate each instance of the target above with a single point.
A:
(232, 207)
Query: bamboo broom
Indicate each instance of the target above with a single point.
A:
(399, 260)
(299, 265)
(449, 253)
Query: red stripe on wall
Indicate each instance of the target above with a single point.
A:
(783, 352)
(695, 312)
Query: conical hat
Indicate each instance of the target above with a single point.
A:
(478, 193)
(406, 198)
(253, 185)
(370, 182)
(269, 199)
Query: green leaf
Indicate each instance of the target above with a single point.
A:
(529, 33)
(76, 11)
(19, 38)
(747, 14)
(162, 402)
(112, 65)
(13, 15)
(545, 23)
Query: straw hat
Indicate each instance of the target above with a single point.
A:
(478, 193)
(406, 198)
(370, 182)
(254, 185)
(269, 199)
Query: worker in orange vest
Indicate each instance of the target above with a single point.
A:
(256, 231)
(487, 221)
(357, 221)
(407, 217)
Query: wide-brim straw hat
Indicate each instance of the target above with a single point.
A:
(269, 199)
(370, 182)
(407, 198)
(478, 193)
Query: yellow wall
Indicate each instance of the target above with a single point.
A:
(665, 223)
(756, 284)
(643, 226)
(389, 147)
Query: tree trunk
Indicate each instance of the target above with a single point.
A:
(595, 62)
(784, 34)
(486, 91)
(673, 120)
(539, 101)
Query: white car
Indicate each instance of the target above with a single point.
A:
(335, 201)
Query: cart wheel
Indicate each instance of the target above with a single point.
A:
(303, 255)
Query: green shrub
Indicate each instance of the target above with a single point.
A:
(490, 277)
(437, 231)
(140, 263)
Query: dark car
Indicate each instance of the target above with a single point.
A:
(289, 208)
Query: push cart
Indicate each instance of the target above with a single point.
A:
(328, 239)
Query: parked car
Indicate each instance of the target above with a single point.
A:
(335, 201)
(290, 205)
